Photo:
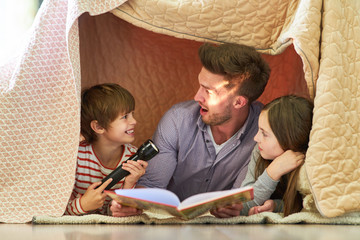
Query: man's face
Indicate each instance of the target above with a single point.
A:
(214, 99)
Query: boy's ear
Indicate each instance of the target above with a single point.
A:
(96, 127)
(240, 101)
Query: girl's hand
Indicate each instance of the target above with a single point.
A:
(94, 198)
(136, 169)
(284, 164)
(268, 206)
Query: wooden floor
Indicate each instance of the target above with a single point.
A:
(183, 232)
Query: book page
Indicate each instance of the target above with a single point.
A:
(210, 196)
(155, 199)
(155, 195)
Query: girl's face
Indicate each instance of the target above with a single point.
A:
(268, 144)
(121, 130)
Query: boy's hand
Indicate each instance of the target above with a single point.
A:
(94, 198)
(284, 164)
(136, 169)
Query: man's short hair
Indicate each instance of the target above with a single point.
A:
(241, 65)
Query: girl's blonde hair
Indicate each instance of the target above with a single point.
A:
(290, 119)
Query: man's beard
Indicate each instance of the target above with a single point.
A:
(217, 118)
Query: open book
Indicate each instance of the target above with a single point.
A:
(165, 201)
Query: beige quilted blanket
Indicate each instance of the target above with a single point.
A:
(333, 159)
(150, 48)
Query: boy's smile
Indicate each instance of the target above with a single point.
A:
(121, 130)
(130, 132)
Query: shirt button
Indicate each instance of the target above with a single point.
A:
(206, 180)
(207, 141)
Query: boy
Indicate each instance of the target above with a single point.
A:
(107, 124)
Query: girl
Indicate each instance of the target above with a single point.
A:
(282, 140)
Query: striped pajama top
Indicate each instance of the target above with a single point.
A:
(90, 170)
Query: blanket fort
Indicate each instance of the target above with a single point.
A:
(153, 44)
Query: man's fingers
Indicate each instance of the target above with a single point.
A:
(218, 214)
(126, 209)
(237, 206)
(125, 214)
(226, 212)
(119, 210)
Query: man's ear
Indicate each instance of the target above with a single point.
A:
(96, 127)
(240, 101)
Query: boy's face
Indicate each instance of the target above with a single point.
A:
(122, 129)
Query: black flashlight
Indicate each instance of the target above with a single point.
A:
(145, 152)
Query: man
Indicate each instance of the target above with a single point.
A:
(205, 145)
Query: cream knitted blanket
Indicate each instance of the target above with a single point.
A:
(151, 218)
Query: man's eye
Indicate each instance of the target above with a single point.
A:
(208, 91)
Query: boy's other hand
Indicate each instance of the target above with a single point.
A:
(136, 169)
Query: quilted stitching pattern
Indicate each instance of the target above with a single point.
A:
(333, 157)
(257, 23)
(39, 91)
(39, 121)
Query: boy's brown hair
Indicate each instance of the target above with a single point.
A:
(103, 103)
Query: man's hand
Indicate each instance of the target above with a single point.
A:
(268, 206)
(228, 211)
(118, 210)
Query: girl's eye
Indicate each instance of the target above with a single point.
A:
(264, 134)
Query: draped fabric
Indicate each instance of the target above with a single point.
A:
(150, 48)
